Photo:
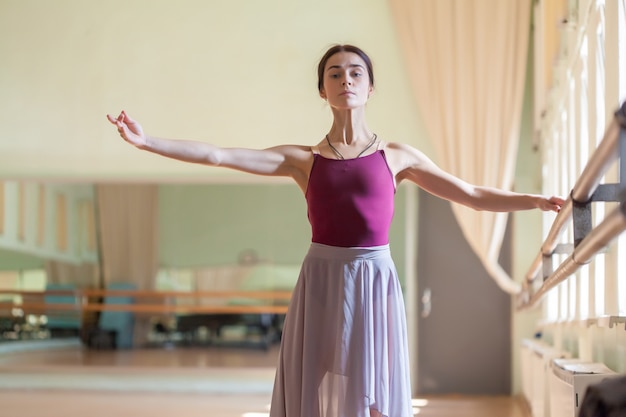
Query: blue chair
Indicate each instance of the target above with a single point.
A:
(120, 322)
(62, 322)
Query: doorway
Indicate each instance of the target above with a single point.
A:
(464, 323)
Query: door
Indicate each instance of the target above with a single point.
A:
(464, 324)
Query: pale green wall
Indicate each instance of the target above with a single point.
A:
(526, 225)
(15, 261)
(207, 225)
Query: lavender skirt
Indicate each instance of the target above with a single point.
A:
(344, 350)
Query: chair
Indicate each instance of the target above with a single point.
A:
(120, 322)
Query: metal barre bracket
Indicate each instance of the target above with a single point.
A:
(547, 264)
(581, 210)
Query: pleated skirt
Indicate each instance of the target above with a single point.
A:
(344, 350)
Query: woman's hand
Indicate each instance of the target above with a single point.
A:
(129, 129)
(550, 204)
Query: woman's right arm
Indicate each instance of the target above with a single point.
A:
(286, 160)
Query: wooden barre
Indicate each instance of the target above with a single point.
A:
(282, 295)
(143, 308)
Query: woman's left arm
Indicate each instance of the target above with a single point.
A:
(414, 166)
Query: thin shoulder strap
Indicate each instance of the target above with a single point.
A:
(381, 145)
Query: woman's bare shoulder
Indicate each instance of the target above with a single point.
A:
(403, 151)
(405, 160)
(292, 149)
(300, 156)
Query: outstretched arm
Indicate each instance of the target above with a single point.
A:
(287, 160)
(414, 166)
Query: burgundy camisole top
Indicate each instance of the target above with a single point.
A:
(351, 201)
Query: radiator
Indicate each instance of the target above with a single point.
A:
(527, 374)
(568, 382)
(536, 357)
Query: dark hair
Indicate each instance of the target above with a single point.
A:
(343, 48)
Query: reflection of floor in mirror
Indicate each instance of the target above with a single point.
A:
(69, 381)
(75, 357)
(182, 382)
(111, 404)
(220, 381)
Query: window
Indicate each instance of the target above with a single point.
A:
(621, 241)
(578, 111)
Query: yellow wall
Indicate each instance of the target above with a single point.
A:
(236, 73)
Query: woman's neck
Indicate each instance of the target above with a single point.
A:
(348, 127)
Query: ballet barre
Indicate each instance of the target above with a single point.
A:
(95, 300)
(587, 240)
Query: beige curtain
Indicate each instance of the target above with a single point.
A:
(82, 275)
(467, 63)
(127, 228)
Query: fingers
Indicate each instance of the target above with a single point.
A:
(120, 123)
(549, 204)
(127, 118)
(557, 202)
(122, 116)
(552, 203)
(117, 120)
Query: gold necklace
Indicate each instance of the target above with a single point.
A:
(340, 156)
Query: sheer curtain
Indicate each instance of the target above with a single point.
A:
(127, 222)
(467, 63)
(84, 275)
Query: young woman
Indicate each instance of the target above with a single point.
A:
(344, 347)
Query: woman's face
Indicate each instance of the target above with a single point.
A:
(346, 81)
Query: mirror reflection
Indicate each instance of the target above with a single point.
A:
(134, 265)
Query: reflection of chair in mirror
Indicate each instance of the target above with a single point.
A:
(267, 278)
(249, 329)
(67, 322)
(11, 327)
(118, 324)
(203, 328)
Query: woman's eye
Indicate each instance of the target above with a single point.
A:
(357, 74)
(334, 75)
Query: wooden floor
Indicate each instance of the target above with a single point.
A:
(182, 382)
